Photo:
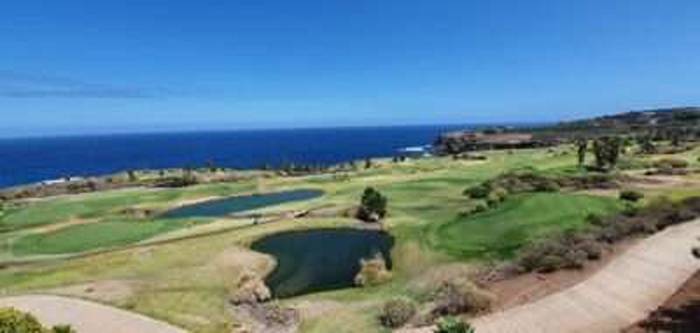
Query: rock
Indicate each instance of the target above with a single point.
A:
(250, 289)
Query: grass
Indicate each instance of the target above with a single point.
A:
(93, 236)
(180, 283)
(498, 233)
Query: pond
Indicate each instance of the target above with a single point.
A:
(227, 206)
(318, 260)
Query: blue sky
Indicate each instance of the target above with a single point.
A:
(70, 67)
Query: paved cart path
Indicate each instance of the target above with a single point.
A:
(620, 294)
(85, 316)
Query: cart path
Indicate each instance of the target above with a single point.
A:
(620, 294)
(85, 316)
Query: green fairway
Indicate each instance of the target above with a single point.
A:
(499, 232)
(92, 236)
(194, 275)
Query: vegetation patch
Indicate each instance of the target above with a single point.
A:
(92, 236)
(372, 272)
(571, 249)
(15, 321)
(499, 232)
(397, 312)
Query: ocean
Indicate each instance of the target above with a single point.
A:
(31, 160)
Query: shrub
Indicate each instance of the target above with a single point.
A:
(397, 312)
(474, 207)
(478, 191)
(546, 185)
(631, 195)
(62, 329)
(372, 272)
(480, 207)
(594, 219)
(249, 289)
(15, 321)
(453, 325)
(671, 163)
(500, 192)
(461, 296)
(493, 200)
(372, 206)
(569, 250)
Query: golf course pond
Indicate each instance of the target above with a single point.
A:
(319, 260)
(237, 204)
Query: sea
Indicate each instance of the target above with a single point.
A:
(32, 160)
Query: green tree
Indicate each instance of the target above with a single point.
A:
(581, 148)
(132, 176)
(372, 206)
(607, 152)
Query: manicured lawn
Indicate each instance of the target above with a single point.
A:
(499, 232)
(102, 205)
(185, 283)
(92, 236)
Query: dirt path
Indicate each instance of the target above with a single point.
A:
(618, 295)
(86, 317)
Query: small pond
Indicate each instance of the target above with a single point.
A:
(227, 206)
(317, 260)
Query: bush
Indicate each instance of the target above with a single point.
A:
(453, 325)
(631, 195)
(478, 191)
(594, 219)
(14, 321)
(500, 193)
(372, 272)
(569, 250)
(372, 206)
(62, 329)
(474, 208)
(546, 185)
(671, 163)
(397, 312)
(461, 296)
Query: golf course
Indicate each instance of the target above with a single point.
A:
(134, 249)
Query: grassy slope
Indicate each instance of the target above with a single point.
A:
(497, 233)
(178, 282)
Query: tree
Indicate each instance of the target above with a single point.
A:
(132, 176)
(581, 148)
(607, 152)
(372, 206)
(645, 145)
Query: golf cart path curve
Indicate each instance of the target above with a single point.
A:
(85, 316)
(620, 294)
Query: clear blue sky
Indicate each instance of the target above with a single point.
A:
(141, 65)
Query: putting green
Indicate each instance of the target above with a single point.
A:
(499, 232)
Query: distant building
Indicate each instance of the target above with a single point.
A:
(457, 142)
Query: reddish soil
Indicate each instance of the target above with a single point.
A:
(679, 314)
(530, 287)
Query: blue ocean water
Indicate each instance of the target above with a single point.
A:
(31, 160)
